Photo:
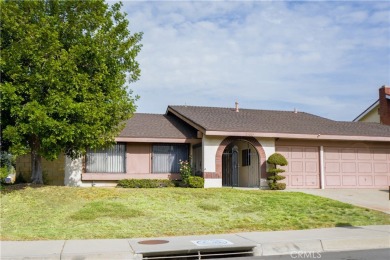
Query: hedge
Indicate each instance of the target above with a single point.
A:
(145, 183)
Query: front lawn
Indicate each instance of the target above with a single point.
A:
(88, 213)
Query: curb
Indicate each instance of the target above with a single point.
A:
(313, 241)
(321, 246)
(286, 248)
(64, 250)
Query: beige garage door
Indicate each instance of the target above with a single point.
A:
(303, 168)
(361, 167)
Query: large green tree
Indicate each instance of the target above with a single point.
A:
(64, 69)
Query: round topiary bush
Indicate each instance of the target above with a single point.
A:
(275, 160)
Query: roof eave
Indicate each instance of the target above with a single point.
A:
(156, 140)
(300, 136)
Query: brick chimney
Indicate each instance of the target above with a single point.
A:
(384, 105)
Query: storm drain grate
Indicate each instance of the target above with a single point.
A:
(201, 255)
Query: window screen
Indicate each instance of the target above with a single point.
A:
(107, 160)
(166, 157)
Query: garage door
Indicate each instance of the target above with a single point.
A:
(303, 166)
(352, 167)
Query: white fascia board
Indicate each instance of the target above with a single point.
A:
(301, 136)
(156, 140)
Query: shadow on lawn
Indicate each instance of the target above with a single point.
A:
(8, 188)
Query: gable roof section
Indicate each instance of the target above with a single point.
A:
(156, 128)
(368, 110)
(267, 123)
(381, 104)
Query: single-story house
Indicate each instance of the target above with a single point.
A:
(379, 111)
(230, 146)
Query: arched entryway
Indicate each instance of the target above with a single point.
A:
(240, 161)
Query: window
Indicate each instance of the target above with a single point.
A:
(246, 157)
(166, 157)
(108, 160)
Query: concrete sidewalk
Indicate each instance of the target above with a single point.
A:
(253, 243)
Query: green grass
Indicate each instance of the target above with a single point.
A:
(85, 213)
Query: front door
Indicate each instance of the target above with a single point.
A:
(235, 166)
(230, 167)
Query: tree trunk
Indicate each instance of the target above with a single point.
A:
(36, 161)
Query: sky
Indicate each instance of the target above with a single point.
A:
(327, 58)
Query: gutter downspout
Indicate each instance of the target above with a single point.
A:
(322, 168)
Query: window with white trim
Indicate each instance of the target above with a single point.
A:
(166, 157)
(107, 160)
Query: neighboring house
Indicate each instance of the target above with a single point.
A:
(379, 112)
(230, 146)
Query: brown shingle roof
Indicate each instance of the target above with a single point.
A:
(267, 121)
(157, 126)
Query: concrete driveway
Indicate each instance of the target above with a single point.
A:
(367, 198)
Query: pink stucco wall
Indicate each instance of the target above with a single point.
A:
(138, 166)
(138, 159)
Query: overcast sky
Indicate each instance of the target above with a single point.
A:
(326, 58)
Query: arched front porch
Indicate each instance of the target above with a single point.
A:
(241, 162)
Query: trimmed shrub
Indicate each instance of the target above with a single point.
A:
(275, 160)
(187, 176)
(277, 186)
(276, 178)
(145, 183)
(195, 182)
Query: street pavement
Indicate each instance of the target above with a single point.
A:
(257, 243)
